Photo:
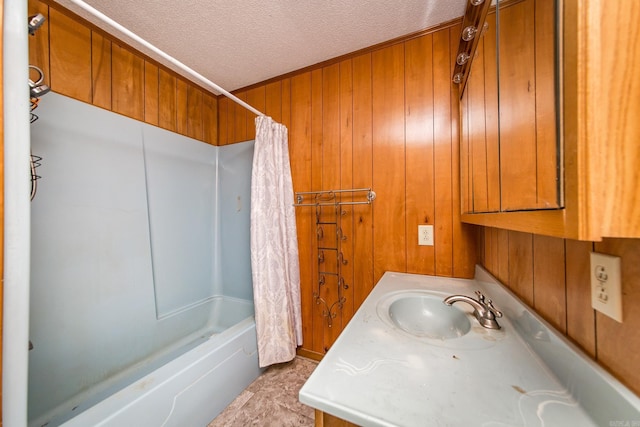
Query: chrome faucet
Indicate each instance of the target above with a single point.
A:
(483, 309)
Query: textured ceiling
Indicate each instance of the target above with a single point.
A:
(235, 43)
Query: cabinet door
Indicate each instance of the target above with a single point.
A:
(529, 163)
(480, 170)
(509, 149)
(593, 179)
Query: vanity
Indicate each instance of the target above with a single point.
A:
(408, 359)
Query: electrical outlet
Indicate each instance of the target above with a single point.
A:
(606, 286)
(425, 235)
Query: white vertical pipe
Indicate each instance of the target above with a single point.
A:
(17, 215)
(104, 18)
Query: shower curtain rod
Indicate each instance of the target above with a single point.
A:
(104, 18)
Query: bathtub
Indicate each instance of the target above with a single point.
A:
(141, 308)
(187, 384)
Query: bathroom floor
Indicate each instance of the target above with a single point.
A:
(272, 399)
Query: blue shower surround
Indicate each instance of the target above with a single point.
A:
(140, 238)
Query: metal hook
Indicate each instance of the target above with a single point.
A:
(342, 260)
(40, 78)
(35, 22)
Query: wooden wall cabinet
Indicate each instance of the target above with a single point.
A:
(509, 118)
(479, 129)
(514, 174)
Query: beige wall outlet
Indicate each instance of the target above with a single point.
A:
(425, 235)
(606, 285)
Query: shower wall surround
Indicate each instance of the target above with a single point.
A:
(126, 244)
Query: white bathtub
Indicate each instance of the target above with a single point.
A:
(141, 308)
(189, 390)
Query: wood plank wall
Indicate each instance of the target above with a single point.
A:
(552, 276)
(385, 119)
(81, 62)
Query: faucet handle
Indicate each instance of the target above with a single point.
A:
(492, 309)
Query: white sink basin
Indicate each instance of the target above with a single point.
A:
(427, 316)
(424, 315)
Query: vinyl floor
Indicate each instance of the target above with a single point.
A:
(272, 399)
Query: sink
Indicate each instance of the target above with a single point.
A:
(426, 316)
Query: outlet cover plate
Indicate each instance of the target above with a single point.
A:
(606, 285)
(425, 235)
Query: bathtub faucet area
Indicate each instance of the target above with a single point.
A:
(483, 309)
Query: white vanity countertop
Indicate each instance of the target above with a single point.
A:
(525, 374)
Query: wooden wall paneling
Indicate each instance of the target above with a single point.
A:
(127, 83)
(319, 322)
(331, 170)
(419, 151)
(497, 251)
(285, 94)
(331, 127)
(346, 181)
(101, 71)
(477, 132)
(273, 101)
(362, 178)
(466, 200)
(194, 112)
(463, 235)
(167, 101)
(491, 115)
(490, 258)
(39, 42)
(549, 288)
(223, 114)
(580, 315)
(70, 57)
(517, 107)
(255, 98)
(546, 143)
(480, 246)
(240, 124)
(181, 106)
(443, 153)
(83, 64)
(617, 343)
(300, 148)
(151, 95)
(521, 265)
(388, 159)
(502, 255)
(209, 119)
(231, 122)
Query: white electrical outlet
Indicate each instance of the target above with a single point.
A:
(425, 235)
(606, 286)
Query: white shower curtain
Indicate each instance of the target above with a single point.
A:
(274, 247)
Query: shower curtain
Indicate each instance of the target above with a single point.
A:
(274, 247)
